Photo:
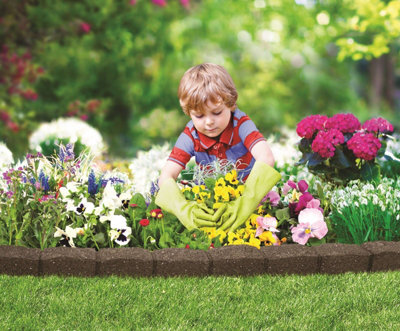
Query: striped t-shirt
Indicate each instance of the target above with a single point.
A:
(233, 144)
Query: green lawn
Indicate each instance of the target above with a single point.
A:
(318, 302)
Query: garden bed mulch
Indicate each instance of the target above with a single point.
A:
(224, 261)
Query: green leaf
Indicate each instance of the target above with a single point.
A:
(283, 214)
(370, 172)
(210, 183)
(139, 200)
(100, 238)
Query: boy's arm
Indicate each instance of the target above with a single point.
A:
(262, 152)
(170, 170)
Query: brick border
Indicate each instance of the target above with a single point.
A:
(239, 260)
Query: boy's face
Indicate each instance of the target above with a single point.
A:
(213, 121)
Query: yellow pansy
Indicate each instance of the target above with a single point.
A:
(196, 189)
(238, 242)
(260, 210)
(254, 242)
(186, 189)
(205, 195)
(253, 219)
(222, 235)
(220, 182)
(232, 237)
(211, 232)
(221, 192)
(231, 177)
(239, 190)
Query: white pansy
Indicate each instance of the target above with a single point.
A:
(146, 167)
(117, 222)
(71, 187)
(68, 128)
(110, 198)
(6, 157)
(69, 234)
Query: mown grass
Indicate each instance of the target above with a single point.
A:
(317, 302)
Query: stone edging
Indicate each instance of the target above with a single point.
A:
(224, 261)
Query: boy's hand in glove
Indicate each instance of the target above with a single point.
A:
(260, 181)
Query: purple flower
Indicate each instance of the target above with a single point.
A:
(9, 194)
(301, 186)
(311, 225)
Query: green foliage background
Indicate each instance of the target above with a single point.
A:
(282, 56)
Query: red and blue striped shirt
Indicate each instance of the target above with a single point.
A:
(233, 144)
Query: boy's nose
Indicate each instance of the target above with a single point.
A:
(209, 121)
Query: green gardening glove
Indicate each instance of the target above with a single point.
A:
(260, 181)
(190, 213)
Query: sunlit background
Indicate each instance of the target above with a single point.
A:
(117, 64)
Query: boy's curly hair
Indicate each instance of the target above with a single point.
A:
(203, 83)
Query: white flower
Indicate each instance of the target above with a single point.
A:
(147, 166)
(68, 235)
(84, 207)
(120, 231)
(6, 157)
(110, 199)
(71, 187)
(68, 128)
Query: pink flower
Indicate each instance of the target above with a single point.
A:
(304, 199)
(84, 117)
(266, 223)
(344, 123)
(325, 142)
(364, 145)
(85, 27)
(161, 3)
(132, 2)
(272, 197)
(311, 225)
(185, 3)
(377, 125)
(307, 126)
(301, 186)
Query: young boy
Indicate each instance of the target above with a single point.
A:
(218, 129)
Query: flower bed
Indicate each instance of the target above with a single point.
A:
(46, 202)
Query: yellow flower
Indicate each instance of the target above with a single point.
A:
(205, 195)
(260, 210)
(186, 189)
(295, 196)
(196, 189)
(253, 219)
(232, 237)
(268, 237)
(222, 235)
(231, 177)
(221, 192)
(220, 183)
(239, 190)
(254, 242)
(238, 242)
(211, 232)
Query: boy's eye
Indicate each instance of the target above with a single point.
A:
(218, 113)
(198, 116)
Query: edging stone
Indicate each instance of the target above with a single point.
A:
(242, 260)
(290, 259)
(19, 261)
(180, 262)
(68, 261)
(340, 258)
(385, 255)
(124, 261)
